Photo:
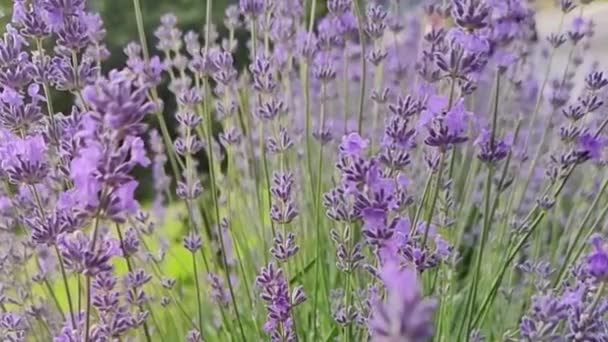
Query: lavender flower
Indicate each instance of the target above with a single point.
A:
(406, 316)
(597, 262)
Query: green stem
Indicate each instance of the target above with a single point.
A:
(266, 174)
(173, 159)
(484, 236)
(318, 205)
(579, 233)
(359, 16)
(130, 269)
(429, 216)
(425, 192)
(217, 213)
(549, 124)
(546, 74)
(93, 243)
(511, 256)
(345, 90)
(208, 7)
(488, 215)
(140, 29)
(567, 261)
(198, 294)
(65, 284)
(54, 296)
(59, 258)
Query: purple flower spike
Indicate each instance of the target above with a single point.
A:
(118, 103)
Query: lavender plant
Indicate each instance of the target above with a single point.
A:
(370, 175)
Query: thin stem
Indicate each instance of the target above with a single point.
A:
(306, 77)
(429, 216)
(311, 19)
(318, 205)
(579, 233)
(567, 262)
(425, 192)
(79, 293)
(89, 304)
(503, 177)
(345, 90)
(307, 109)
(60, 259)
(208, 7)
(54, 296)
(349, 285)
(359, 16)
(65, 284)
(484, 236)
(378, 81)
(546, 75)
(498, 280)
(140, 29)
(511, 256)
(217, 214)
(266, 174)
(488, 214)
(549, 124)
(198, 294)
(173, 159)
(130, 269)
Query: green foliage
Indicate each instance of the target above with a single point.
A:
(118, 16)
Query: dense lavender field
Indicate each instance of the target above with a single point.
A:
(374, 174)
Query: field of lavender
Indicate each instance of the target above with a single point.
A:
(374, 173)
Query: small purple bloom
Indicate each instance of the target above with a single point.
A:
(405, 316)
(597, 261)
(353, 145)
(193, 242)
(590, 146)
